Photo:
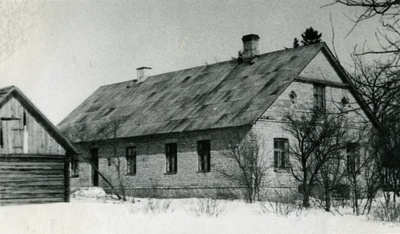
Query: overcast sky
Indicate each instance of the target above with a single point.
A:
(70, 48)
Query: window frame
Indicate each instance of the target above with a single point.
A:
(279, 161)
(171, 158)
(74, 168)
(131, 165)
(353, 162)
(293, 97)
(204, 156)
(319, 97)
(1, 135)
(344, 103)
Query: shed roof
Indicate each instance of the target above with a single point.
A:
(7, 92)
(225, 94)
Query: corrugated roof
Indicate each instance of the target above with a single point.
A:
(220, 95)
(12, 91)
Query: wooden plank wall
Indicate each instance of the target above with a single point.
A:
(28, 179)
(36, 140)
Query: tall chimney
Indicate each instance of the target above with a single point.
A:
(250, 46)
(142, 73)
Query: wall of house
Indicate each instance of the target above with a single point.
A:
(320, 68)
(29, 139)
(271, 124)
(151, 163)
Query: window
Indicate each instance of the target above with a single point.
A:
(319, 97)
(281, 149)
(1, 135)
(203, 150)
(131, 160)
(25, 134)
(171, 156)
(74, 168)
(353, 157)
(24, 119)
(293, 97)
(344, 103)
(95, 165)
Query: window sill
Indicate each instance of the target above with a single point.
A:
(170, 173)
(282, 170)
(130, 174)
(74, 176)
(203, 171)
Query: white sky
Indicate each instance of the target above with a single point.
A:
(76, 46)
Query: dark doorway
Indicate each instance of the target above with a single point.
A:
(95, 161)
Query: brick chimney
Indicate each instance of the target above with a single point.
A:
(142, 73)
(250, 46)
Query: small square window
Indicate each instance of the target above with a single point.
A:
(131, 160)
(203, 151)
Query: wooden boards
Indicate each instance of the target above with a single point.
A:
(26, 179)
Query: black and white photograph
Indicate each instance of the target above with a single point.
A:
(184, 116)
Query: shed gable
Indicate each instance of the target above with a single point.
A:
(22, 133)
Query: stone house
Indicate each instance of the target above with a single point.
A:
(34, 156)
(170, 130)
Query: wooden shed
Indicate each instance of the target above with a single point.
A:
(34, 156)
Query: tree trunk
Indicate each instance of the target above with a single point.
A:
(120, 180)
(105, 179)
(110, 184)
(327, 200)
(306, 194)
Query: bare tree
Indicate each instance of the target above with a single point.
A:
(387, 12)
(106, 131)
(380, 86)
(249, 164)
(109, 132)
(315, 155)
(379, 83)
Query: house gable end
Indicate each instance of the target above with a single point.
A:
(320, 69)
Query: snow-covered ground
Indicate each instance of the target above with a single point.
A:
(91, 211)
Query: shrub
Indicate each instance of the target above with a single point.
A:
(209, 207)
(156, 206)
(387, 211)
(282, 203)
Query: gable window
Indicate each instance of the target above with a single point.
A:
(203, 150)
(319, 97)
(293, 97)
(131, 160)
(281, 149)
(24, 119)
(171, 157)
(74, 168)
(344, 103)
(353, 157)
